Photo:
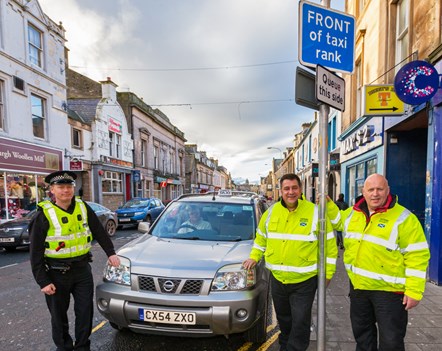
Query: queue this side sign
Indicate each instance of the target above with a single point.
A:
(326, 37)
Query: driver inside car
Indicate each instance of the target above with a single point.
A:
(195, 221)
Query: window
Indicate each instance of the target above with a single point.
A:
(117, 145)
(310, 148)
(356, 177)
(38, 116)
(2, 107)
(112, 182)
(332, 134)
(19, 83)
(156, 152)
(402, 37)
(143, 153)
(77, 138)
(114, 145)
(111, 144)
(35, 45)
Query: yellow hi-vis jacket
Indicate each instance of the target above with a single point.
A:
(386, 250)
(69, 234)
(289, 242)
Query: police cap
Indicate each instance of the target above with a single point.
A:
(61, 177)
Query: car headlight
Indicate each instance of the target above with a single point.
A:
(138, 213)
(234, 277)
(118, 275)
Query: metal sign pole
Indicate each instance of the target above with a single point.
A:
(323, 142)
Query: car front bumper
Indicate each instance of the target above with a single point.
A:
(217, 313)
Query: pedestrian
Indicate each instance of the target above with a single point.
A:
(61, 236)
(287, 238)
(386, 257)
(340, 202)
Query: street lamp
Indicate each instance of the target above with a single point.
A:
(276, 148)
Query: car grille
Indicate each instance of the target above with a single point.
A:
(125, 215)
(170, 286)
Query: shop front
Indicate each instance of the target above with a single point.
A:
(23, 167)
(361, 154)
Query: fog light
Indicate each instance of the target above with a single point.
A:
(241, 313)
(103, 304)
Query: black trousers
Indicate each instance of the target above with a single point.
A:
(293, 307)
(78, 281)
(374, 313)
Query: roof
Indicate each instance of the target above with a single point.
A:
(85, 109)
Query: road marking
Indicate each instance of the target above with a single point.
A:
(99, 326)
(9, 265)
(269, 342)
(246, 346)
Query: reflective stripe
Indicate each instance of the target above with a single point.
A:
(269, 214)
(307, 269)
(69, 249)
(394, 231)
(296, 237)
(54, 219)
(382, 242)
(315, 220)
(331, 260)
(60, 237)
(337, 218)
(415, 273)
(374, 275)
(331, 235)
(416, 247)
(353, 235)
(259, 232)
(260, 248)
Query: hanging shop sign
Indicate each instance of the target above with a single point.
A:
(381, 100)
(416, 82)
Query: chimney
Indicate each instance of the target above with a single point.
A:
(108, 89)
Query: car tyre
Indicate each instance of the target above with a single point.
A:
(258, 333)
(148, 219)
(111, 227)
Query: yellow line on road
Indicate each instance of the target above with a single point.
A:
(99, 326)
(269, 342)
(245, 347)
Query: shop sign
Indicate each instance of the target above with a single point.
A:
(75, 165)
(115, 126)
(136, 175)
(18, 156)
(381, 100)
(335, 165)
(416, 82)
(367, 137)
(315, 170)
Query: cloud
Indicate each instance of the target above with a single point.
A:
(204, 55)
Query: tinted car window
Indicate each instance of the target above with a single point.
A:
(206, 221)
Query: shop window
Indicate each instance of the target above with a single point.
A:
(38, 116)
(356, 176)
(112, 182)
(35, 46)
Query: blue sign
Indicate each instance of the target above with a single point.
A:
(326, 37)
(416, 82)
(136, 175)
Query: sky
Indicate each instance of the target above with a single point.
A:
(223, 71)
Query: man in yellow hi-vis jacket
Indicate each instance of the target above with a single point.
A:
(386, 257)
(287, 238)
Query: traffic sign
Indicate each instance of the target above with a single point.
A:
(381, 100)
(330, 88)
(326, 37)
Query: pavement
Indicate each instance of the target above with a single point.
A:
(424, 332)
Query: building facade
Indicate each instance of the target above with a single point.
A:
(32, 105)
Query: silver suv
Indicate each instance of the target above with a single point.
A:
(184, 277)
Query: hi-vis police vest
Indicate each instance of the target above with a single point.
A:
(69, 234)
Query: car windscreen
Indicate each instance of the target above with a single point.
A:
(206, 221)
(136, 204)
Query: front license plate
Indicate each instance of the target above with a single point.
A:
(6, 240)
(124, 219)
(167, 317)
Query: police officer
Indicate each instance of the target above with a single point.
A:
(386, 257)
(61, 237)
(287, 238)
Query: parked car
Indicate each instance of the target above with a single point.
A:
(184, 276)
(107, 217)
(15, 233)
(139, 209)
